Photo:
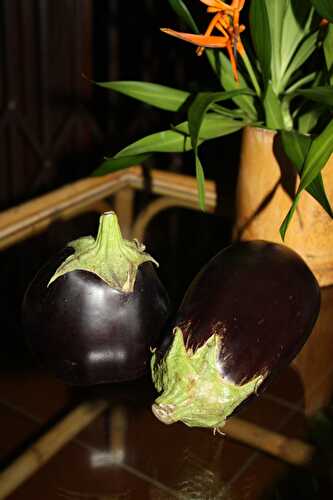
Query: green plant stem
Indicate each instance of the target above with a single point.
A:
(303, 81)
(286, 115)
(272, 107)
(251, 73)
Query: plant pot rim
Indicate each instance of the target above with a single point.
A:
(264, 130)
(270, 131)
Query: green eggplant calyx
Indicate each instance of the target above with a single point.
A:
(111, 257)
(194, 390)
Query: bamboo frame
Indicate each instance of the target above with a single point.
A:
(143, 219)
(32, 217)
(292, 451)
(47, 446)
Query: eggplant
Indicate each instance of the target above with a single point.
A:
(95, 310)
(243, 319)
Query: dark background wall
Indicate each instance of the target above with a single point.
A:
(53, 123)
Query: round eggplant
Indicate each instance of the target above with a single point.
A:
(244, 317)
(93, 312)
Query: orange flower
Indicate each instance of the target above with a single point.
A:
(226, 21)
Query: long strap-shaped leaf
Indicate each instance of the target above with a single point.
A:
(302, 54)
(319, 153)
(323, 95)
(297, 25)
(196, 114)
(224, 69)
(260, 34)
(317, 157)
(276, 11)
(328, 51)
(296, 147)
(177, 139)
(160, 96)
(200, 105)
(114, 164)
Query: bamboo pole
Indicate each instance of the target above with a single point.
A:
(32, 217)
(124, 208)
(48, 445)
(292, 451)
(150, 211)
(179, 186)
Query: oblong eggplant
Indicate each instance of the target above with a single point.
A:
(244, 317)
(94, 311)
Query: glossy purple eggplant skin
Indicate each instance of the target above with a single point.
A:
(88, 333)
(261, 299)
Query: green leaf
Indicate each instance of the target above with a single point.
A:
(317, 191)
(296, 147)
(319, 152)
(200, 182)
(114, 164)
(166, 141)
(308, 119)
(288, 121)
(296, 26)
(323, 95)
(196, 115)
(182, 11)
(260, 33)
(325, 8)
(328, 52)
(273, 111)
(304, 80)
(201, 104)
(178, 139)
(245, 102)
(162, 97)
(304, 51)
(276, 12)
(230, 113)
(213, 126)
(289, 216)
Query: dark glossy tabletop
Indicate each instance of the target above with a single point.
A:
(126, 453)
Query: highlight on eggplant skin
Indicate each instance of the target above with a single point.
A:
(244, 318)
(93, 312)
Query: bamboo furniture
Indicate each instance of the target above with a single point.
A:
(28, 219)
(292, 451)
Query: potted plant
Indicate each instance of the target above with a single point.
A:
(273, 72)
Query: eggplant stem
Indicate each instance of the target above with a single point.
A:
(111, 257)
